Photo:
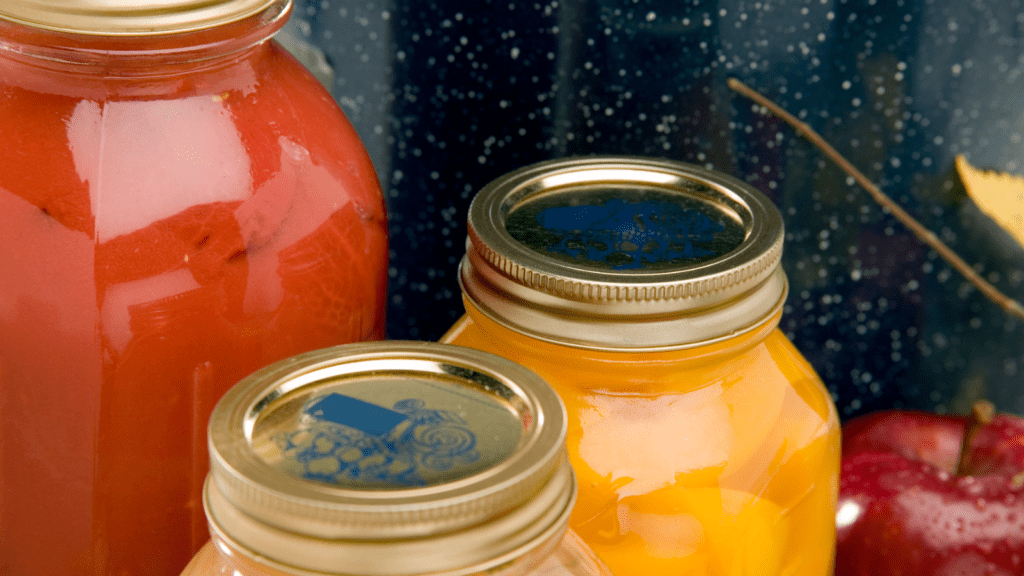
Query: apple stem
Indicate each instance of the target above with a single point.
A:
(982, 413)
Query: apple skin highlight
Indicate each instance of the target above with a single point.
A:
(904, 510)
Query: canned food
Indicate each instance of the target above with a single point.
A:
(648, 294)
(392, 458)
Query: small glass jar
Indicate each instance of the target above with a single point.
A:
(648, 294)
(391, 459)
(181, 203)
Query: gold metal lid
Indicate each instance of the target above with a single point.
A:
(389, 458)
(624, 253)
(130, 17)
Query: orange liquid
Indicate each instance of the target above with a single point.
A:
(716, 460)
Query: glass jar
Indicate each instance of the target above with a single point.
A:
(180, 204)
(391, 459)
(648, 294)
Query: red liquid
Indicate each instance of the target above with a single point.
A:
(163, 233)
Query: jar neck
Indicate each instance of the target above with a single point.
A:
(694, 354)
(245, 563)
(641, 316)
(526, 532)
(233, 557)
(138, 56)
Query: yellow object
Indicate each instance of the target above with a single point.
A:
(719, 460)
(648, 294)
(997, 194)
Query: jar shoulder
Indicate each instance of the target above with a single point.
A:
(211, 561)
(259, 131)
(771, 359)
(572, 557)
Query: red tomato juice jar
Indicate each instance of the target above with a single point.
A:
(181, 203)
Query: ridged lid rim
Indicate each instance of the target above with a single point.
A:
(123, 18)
(255, 499)
(541, 295)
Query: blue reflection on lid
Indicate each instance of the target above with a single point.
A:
(355, 413)
(639, 233)
(626, 228)
(347, 441)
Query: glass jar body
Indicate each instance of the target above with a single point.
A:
(174, 215)
(566, 556)
(714, 460)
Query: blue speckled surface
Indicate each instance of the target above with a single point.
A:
(449, 95)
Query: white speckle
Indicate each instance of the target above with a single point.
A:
(514, 52)
(651, 16)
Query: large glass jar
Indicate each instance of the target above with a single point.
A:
(648, 294)
(181, 203)
(391, 459)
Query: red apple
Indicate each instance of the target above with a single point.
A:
(909, 506)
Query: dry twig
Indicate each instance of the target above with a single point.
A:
(1009, 304)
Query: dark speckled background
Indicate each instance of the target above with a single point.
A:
(448, 95)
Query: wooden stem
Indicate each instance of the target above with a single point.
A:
(981, 414)
(1009, 304)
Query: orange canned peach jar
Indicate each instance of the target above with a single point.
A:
(648, 294)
